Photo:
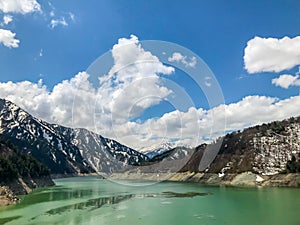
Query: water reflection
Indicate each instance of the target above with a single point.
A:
(91, 204)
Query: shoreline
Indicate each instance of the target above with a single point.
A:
(241, 179)
(10, 190)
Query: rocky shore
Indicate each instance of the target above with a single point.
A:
(21, 186)
(241, 179)
(7, 197)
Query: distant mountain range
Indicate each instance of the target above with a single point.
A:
(64, 150)
(164, 148)
(153, 151)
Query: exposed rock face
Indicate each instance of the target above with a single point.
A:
(7, 197)
(21, 186)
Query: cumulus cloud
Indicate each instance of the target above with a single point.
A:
(286, 80)
(19, 6)
(56, 22)
(7, 19)
(198, 125)
(132, 85)
(133, 77)
(271, 54)
(178, 57)
(72, 103)
(253, 110)
(7, 38)
(56, 106)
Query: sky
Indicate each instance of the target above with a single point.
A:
(149, 72)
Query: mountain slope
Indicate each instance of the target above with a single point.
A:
(19, 173)
(64, 150)
(264, 149)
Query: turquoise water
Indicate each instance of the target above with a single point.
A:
(91, 201)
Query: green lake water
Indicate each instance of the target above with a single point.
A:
(91, 201)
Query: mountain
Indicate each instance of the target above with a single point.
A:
(64, 150)
(153, 151)
(14, 164)
(265, 149)
(166, 150)
(19, 173)
(263, 155)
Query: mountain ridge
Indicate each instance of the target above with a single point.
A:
(64, 150)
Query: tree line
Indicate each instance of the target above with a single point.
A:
(14, 163)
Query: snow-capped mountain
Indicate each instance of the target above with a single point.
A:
(61, 149)
(166, 149)
(155, 150)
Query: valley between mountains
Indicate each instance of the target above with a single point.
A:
(267, 154)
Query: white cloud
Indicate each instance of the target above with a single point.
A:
(253, 110)
(19, 6)
(286, 80)
(178, 57)
(199, 125)
(57, 105)
(56, 22)
(7, 19)
(132, 85)
(7, 38)
(72, 103)
(271, 54)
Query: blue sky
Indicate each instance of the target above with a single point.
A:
(59, 39)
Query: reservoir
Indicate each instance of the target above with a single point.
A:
(94, 201)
